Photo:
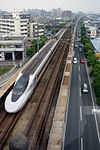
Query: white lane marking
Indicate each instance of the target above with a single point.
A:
(80, 113)
(79, 68)
(80, 92)
(98, 133)
(81, 143)
(79, 78)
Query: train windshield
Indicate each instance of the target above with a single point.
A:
(20, 87)
(22, 82)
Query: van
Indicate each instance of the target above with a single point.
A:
(84, 88)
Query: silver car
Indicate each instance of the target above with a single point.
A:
(84, 88)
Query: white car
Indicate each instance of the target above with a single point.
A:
(74, 60)
(76, 45)
(80, 49)
(85, 88)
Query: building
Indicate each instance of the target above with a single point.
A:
(15, 23)
(93, 32)
(12, 47)
(66, 14)
(92, 25)
(96, 45)
(36, 30)
(42, 19)
(56, 13)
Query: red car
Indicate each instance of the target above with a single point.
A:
(82, 60)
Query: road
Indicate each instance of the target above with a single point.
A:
(81, 126)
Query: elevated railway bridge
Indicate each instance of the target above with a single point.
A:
(35, 119)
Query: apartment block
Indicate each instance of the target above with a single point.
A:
(36, 30)
(15, 23)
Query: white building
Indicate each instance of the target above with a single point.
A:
(36, 30)
(14, 29)
(12, 47)
(93, 32)
(15, 23)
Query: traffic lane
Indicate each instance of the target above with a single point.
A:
(86, 98)
(72, 135)
(81, 53)
(90, 135)
(76, 52)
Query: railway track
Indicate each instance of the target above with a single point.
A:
(31, 120)
(46, 130)
(6, 125)
(46, 100)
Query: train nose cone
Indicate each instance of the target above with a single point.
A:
(10, 107)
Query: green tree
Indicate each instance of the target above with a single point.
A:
(33, 49)
(96, 85)
(41, 44)
(29, 51)
(89, 53)
(84, 39)
(83, 30)
(43, 38)
(92, 61)
(87, 46)
(96, 70)
(42, 41)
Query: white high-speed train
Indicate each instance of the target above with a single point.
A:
(24, 85)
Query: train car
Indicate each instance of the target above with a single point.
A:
(24, 85)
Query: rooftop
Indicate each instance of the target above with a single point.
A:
(96, 44)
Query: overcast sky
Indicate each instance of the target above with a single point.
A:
(74, 5)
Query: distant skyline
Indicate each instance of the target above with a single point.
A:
(86, 6)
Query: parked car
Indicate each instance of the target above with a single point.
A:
(82, 60)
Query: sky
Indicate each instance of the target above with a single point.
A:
(87, 6)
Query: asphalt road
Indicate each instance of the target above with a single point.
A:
(81, 125)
